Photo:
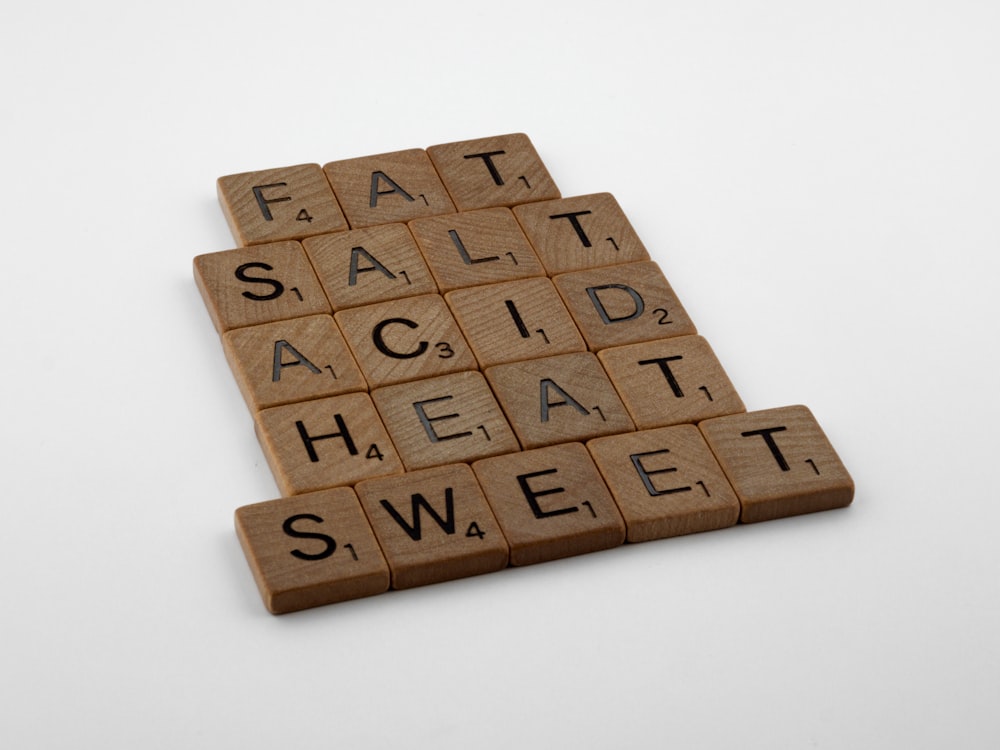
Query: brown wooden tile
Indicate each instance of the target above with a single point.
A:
(625, 304)
(405, 339)
(258, 284)
(666, 482)
(501, 170)
(780, 462)
(370, 265)
(444, 420)
(291, 360)
(475, 247)
(558, 399)
(433, 525)
(311, 550)
(671, 381)
(329, 442)
(271, 205)
(387, 188)
(584, 231)
(551, 503)
(515, 320)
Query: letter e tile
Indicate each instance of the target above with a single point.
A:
(433, 525)
(780, 462)
(311, 550)
(666, 482)
(551, 503)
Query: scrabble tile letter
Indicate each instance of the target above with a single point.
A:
(311, 550)
(780, 462)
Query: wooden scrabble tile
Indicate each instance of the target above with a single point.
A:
(625, 304)
(329, 442)
(666, 482)
(558, 399)
(780, 463)
(258, 284)
(433, 525)
(514, 320)
(291, 360)
(363, 266)
(475, 247)
(585, 231)
(502, 170)
(443, 420)
(311, 550)
(387, 188)
(671, 381)
(279, 204)
(405, 339)
(551, 503)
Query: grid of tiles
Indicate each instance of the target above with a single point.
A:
(453, 368)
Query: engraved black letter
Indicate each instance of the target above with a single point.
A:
(638, 305)
(331, 545)
(281, 346)
(532, 496)
(241, 274)
(308, 439)
(381, 345)
(775, 451)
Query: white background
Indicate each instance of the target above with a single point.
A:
(820, 183)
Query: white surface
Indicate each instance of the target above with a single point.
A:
(818, 181)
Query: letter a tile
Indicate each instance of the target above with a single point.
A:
(780, 462)
(311, 550)
(433, 525)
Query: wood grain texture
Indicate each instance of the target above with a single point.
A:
(433, 525)
(387, 188)
(585, 231)
(475, 247)
(259, 284)
(671, 381)
(666, 482)
(501, 170)
(330, 442)
(514, 320)
(369, 265)
(311, 550)
(291, 360)
(551, 503)
(287, 203)
(780, 463)
(405, 339)
(623, 304)
(443, 420)
(558, 399)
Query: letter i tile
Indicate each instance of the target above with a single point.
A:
(666, 482)
(311, 550)
(780, 462)
(433, 525)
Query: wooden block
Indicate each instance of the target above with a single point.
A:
(671, 381)
(443, 420)
(311, 550)
(279, 204)
(625, 304)
(405, 339)
(780, 463)
(502, 170)
(476, 247)
(666, 482)
(585, 231)
(514, 320)
(370, 265)
(330, 442)
(551, 503)
(387, 188)
(558, 399)
(291, 360)
(259, 284)
(433, 525)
